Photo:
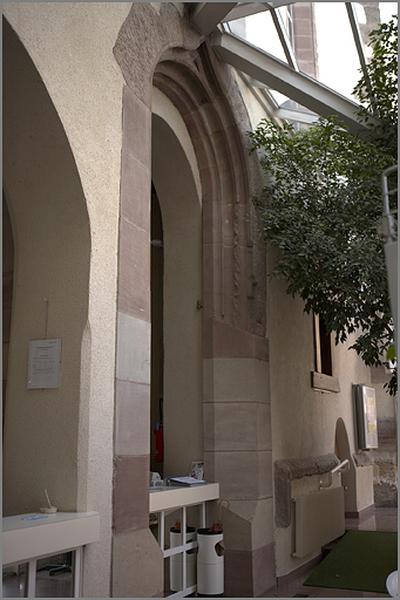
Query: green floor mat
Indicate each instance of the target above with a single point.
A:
(361, 560)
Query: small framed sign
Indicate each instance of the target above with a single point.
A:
(44, 364)
(367, 424)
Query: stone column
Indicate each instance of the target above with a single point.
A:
(238, 454)
(137, 560)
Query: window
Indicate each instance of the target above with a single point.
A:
(323, 351)
(322, 377)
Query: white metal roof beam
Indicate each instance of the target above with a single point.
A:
(207, 15)
(242, 10)
(279, 76)
(278, 3)
(296, 115)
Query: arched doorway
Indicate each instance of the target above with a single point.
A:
(174, 174)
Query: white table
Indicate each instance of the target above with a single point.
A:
(28, 537)
(174, 497)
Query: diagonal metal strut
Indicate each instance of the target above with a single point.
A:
(279, 76)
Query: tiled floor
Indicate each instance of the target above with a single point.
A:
(383, 519)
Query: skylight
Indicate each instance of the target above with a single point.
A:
(325, 40)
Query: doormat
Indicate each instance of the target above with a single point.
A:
(361, 560)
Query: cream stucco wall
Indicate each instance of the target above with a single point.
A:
(50, 289)
(256, 104)
(71, 45)
(304, 419)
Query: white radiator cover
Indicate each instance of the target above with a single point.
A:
(319, 519)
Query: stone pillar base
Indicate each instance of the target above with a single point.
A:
(137, 565)
(248, 573)
(249, 548)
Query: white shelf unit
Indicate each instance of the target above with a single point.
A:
(173, 498)
(28, 537)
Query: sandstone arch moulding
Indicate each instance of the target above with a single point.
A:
(160, 49)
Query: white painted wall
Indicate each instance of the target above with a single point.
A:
(71, 45)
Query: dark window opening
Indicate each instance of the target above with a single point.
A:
(157, 336)
(323, 347)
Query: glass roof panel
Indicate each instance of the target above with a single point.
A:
(287, 22)
(337, 61)
(278, 97)
(369, 15)
(318, 36)
(259, 30)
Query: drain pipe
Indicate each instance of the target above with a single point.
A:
(391, 256)
(391, 229)
(390, 245)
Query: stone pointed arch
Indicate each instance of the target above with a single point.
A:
(159, 48)
(234, 288)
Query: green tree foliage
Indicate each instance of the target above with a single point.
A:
(377, 91)
(322, 207)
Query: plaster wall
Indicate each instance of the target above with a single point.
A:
(304, 419)
(256, 105)
(163, 107)
(50, 289)
(176, 179)
(80, 72)
(385, 404)
(8, 268)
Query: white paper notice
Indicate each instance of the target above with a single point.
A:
(44, 364)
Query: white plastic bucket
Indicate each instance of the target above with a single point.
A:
(210, 563)
(176, 561)
(392, 584)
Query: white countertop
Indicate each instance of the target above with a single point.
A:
(37, 519)
(37, 534)
(175, 496)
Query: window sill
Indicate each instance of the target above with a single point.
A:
(324, 383)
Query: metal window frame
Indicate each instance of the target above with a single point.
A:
(207, 16)
(283, 37)
(244, 9)
(279, 76)
(359, 46)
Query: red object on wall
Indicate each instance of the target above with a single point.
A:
(159, 443)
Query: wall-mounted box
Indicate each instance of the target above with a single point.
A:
(366, 419)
